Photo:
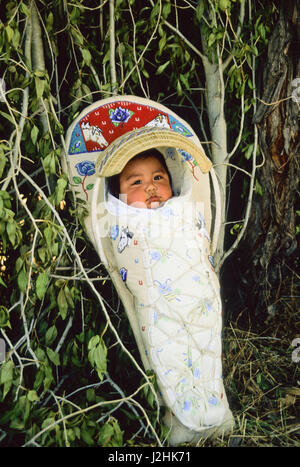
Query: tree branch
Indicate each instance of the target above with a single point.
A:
(91, 285)
(92, 407)
(37, 53)
(112, 47)
(146, 46)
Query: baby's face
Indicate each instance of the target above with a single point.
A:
(145, 182)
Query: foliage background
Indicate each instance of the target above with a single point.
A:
(72, 375)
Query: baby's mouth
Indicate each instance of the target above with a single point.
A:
(153, 201)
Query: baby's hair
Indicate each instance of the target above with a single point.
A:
(114, 181)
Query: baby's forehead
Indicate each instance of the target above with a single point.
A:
(145, 161)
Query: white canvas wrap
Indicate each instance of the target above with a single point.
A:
(163, 257)
(160, 260)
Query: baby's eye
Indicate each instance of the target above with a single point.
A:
(158, 177)
(137, 182)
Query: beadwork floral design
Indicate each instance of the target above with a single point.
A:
(85, 169)
(120, 115)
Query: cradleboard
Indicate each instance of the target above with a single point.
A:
(160, 260)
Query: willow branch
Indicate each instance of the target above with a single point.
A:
(92, 407)
(134, 50)
(20, 126)
(112, 46)
(240, 131)
(146, 46)
(91, 285)
(37, 53)
(238, 32)
(254, 167)
(249, 203)
(13, 349)
(185, 40)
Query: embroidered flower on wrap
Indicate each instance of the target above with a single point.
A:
(187, 406)
(213, 400)
(123, 273)
(85, 168)
(185, 155)
(120, 115)
(114, 231)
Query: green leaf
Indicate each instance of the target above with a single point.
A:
(2, 282)
(51, 335)
(110, 434)
(93, 342)
(62, 303)
(19, 264)
(258, 188)
(34, 133)
(69, 297)
(48, 378)
(4, 317)
(86, 55)
(49, 163)
(6, 376)
(87, 437)
(47, 422)
(166, 10)
(224, 4)
(7, 116)
(24, 8)
(262, 31)
(105, 434)
(39, 86)
(48, 236)
(161, 68)
(90, 186)
(211, 39)
(97, 355)
(162, 44)
(41, 284)
(49, 21)
(77, 180)
(12, 230)
(9, 32)
(254, 50)
(249, 150)
(42, 253)
(22, 280)
(53, 356)
(60, 190)
(16, 38)
(32, 396)
(185, 81)
(179, 88)
(200, 10)
(3, 161)
(118, 434)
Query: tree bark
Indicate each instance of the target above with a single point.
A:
(271, 261)
(218, 130)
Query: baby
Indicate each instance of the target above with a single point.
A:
(145, 181)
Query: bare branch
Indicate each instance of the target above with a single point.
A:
(91, 285)
(112, 47)
(94, 406)
(146, 46)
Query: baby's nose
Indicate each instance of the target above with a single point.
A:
(151, 187)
